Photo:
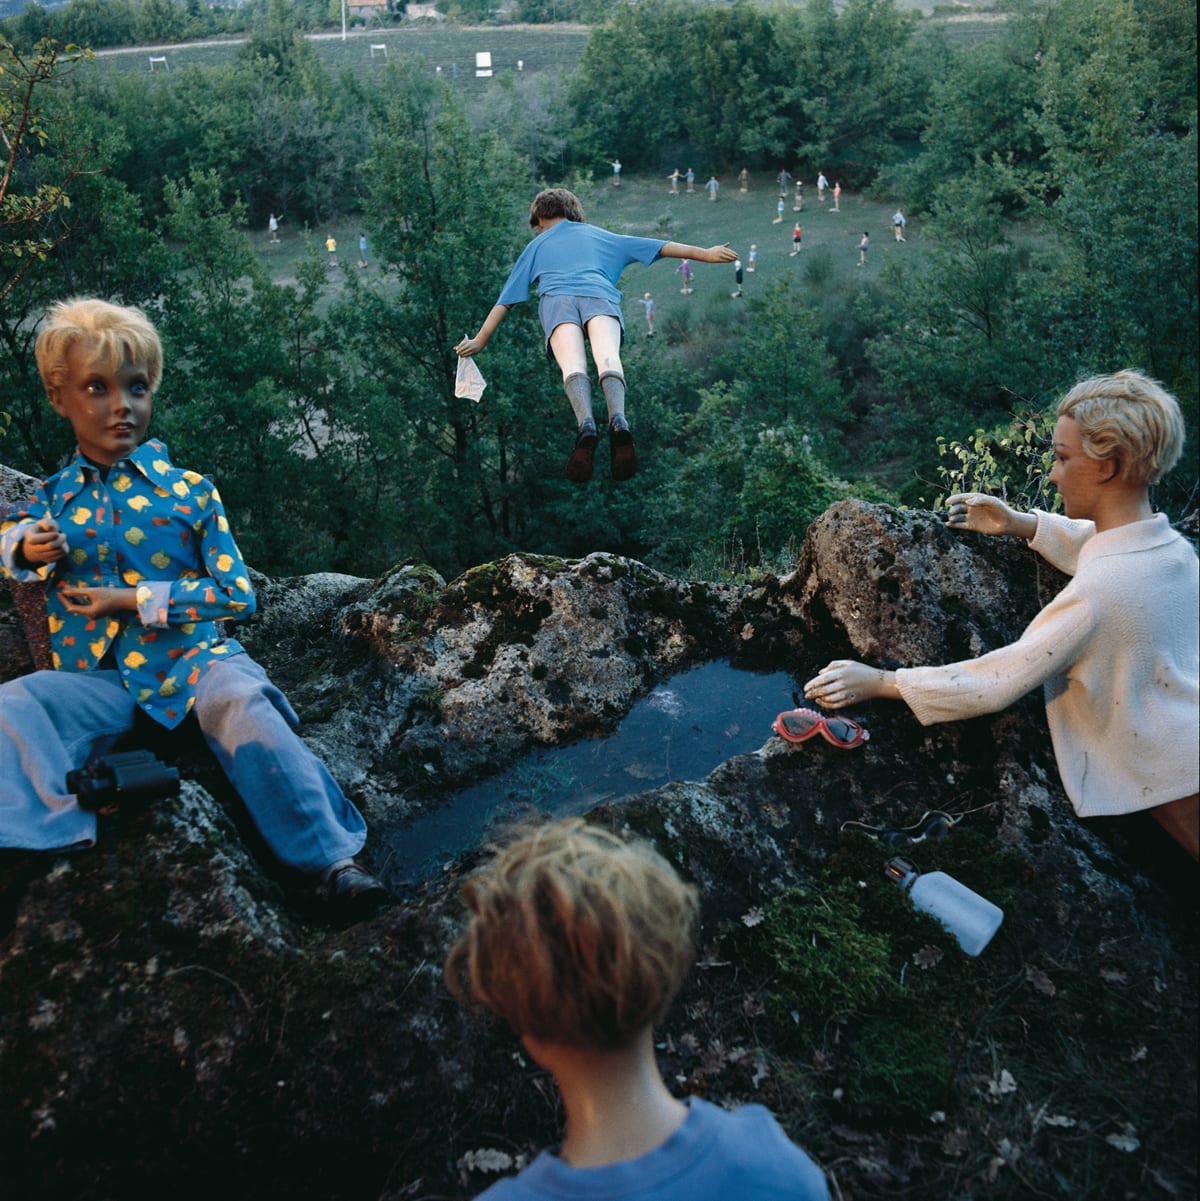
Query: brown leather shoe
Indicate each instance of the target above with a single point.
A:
(579, 465)
(624, 456)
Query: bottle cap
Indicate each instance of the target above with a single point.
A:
(900, 870)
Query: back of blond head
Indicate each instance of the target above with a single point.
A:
(116, 333)
(575, 936)
(1130, 418)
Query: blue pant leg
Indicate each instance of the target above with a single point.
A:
(49, 723)
(302, 814)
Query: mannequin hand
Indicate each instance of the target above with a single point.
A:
(979, 512)
(847, 682)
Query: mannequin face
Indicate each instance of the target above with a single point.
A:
(108, 409)
(1080, 479)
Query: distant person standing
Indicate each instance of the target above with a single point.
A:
(737, 278)
(712, 187)
(898, 224)
(837, 197)
(752, 257)
(822, 187)
(744, 180)
(685, 269)
(796, 236)
(779, 207)
(362, 250)
(648, 304)
(615, 164)
(863, 243)
(783, 179)
(673, 179)
(798, 203)
(273, 228)
(691, 180)
(331, 247)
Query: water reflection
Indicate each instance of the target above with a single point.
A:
(680, 731)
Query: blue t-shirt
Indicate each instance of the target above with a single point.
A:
(574, 259)
(714, 1156)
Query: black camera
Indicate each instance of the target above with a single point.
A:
(128, 777)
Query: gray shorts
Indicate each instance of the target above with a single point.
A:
(574, 310)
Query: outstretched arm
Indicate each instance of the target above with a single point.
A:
(470, 346)
(701, 254)
(988, 515)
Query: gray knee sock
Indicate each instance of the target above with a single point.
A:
(579, 393)
(613, 383)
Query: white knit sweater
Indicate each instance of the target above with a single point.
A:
(1118, 651)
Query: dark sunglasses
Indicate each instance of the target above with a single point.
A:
(799, 725)
(930, 827)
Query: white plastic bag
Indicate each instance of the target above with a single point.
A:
(468, 381)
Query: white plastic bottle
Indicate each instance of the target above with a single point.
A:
(972, 919)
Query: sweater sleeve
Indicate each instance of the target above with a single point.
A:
(1050, 644)
(1059, 539)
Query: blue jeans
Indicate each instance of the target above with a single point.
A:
(50, 721)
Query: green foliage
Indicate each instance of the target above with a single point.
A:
(1012, 462)
(749, 85)
(980, 110)
(753, 477)
(41, 163)
(1061, 240)
(37, 163)
(854, 87)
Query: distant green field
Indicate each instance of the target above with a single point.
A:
(537, 48)
(530, 48)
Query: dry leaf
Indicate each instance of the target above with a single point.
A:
(1039, 980)
(1001, 1086)
(752, 917)
(955, 1143)
(486, 1159)
(927, 957)
(1126, 1140)
(1058, 1119)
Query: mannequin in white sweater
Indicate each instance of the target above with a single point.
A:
(1117, 650)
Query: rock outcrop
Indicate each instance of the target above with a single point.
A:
(175, 1015)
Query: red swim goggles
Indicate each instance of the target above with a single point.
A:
(799, 725)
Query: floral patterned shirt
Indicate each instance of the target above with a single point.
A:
(154, 527)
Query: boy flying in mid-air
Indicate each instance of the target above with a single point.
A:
(576, 267)
(141, 568)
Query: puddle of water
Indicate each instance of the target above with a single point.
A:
(680, 731)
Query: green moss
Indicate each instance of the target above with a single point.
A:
(827, 963)
(899, 1063)
(476, 585)
(609, 566)
(485, 582)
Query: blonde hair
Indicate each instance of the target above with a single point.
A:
(575, 936)
(1130, 418)
(117, 334)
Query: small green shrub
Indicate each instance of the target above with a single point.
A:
(818, 269)
(1012, 462)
